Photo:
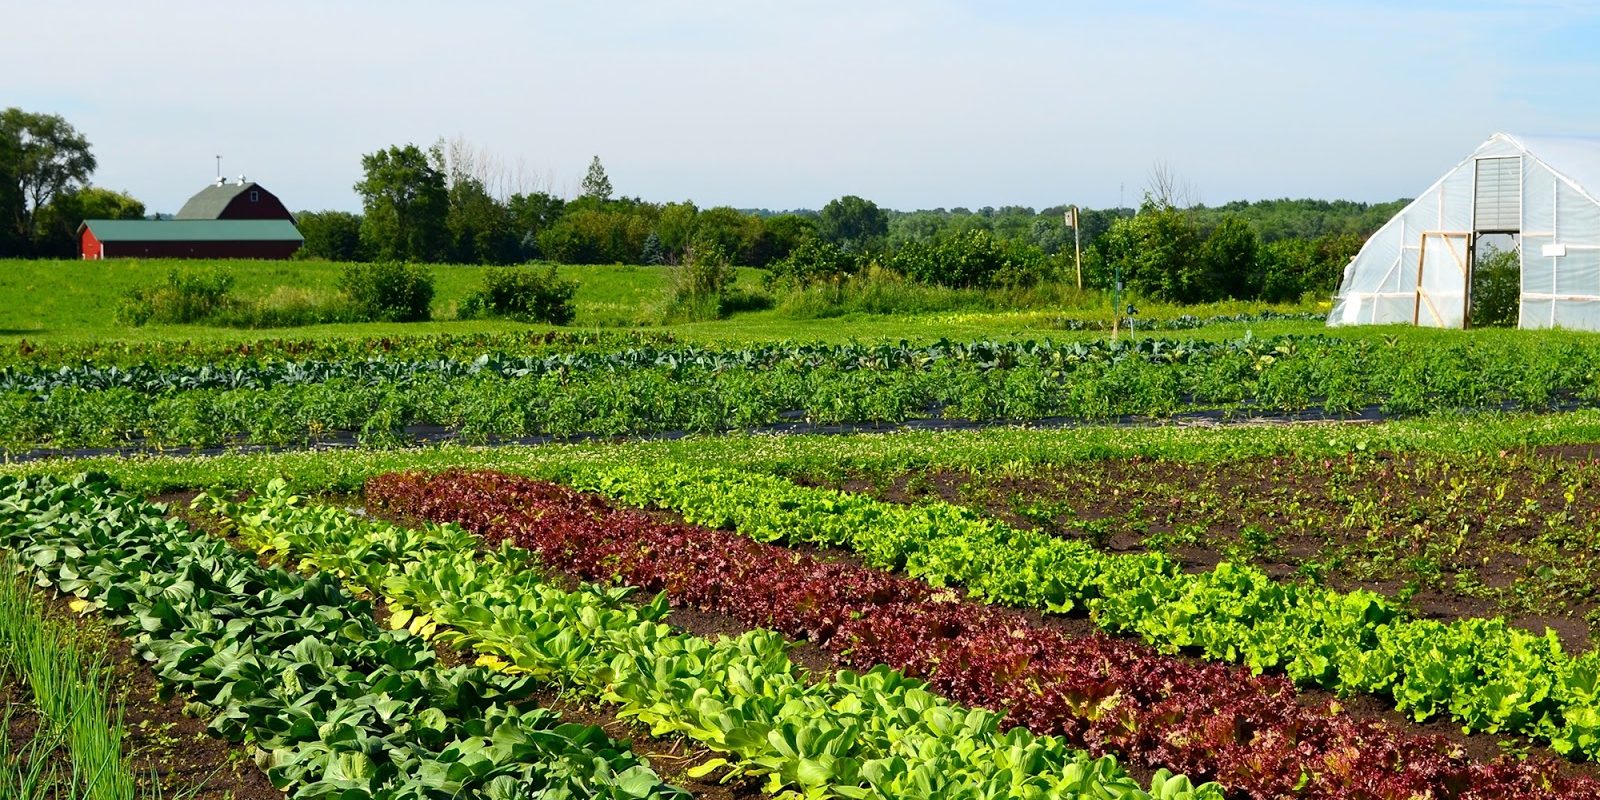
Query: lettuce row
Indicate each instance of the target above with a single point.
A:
(1483, 673)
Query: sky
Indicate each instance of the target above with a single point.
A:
(757, 104)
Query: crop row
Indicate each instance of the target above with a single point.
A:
(1249, 732)
(1483, 673)
(76, 749)
(1516, 529)
(336, 706)
(36, 357)
(265, 373)
(984, 381)
(1321, 369)
(856, 735)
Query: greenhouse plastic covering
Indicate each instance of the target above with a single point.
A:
(1415, 268)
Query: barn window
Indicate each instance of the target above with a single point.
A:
(254, 196)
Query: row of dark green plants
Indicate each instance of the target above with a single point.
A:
(651, 391)
(296, 667)
(1247, 731)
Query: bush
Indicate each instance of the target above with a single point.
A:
(975, 259)
(813, 261)
(528, 294)
(698, 288)
(388, 291)
(186, 297)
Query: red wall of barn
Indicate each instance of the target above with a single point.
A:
(199, 249)
(89, 246)
(266, 206)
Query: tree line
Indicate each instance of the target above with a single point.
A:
(442, 204)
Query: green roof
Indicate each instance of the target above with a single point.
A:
(193, 230)
(212, 200)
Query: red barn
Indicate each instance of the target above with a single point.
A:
(242, 200)
(225, 220)
(188, 238)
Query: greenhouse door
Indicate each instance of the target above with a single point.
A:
(1444, 269)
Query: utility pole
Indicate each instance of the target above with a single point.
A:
(1116, 301)
(219, 166)
(1077, 247)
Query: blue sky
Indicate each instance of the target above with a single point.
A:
(914, 104)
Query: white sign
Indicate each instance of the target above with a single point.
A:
(1554, 251)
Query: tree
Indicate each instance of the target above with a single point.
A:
(41, 156)
(1230, 260)
(596, 184)
(331, 235)
(1157, 251)
(56, 224)
(785, 232)
(405, 204)
(482, 230)
(531, 213)
(853, 223)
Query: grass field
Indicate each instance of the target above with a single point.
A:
(43, 301)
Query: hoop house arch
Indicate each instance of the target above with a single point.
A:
(1543, 190)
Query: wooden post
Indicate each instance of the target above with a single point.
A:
(1422, 258)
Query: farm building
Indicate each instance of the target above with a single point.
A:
(242, 200)
(1539, 195)
(224, 220)
(188, 238)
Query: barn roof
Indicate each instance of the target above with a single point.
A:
(193, 230)
(210, 202)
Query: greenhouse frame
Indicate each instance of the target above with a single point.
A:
(1540, 192)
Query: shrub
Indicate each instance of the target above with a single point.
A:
(698, 287)
(812, 261)
(528, 294)
(388, 291)
(974, 259)
(186, 297)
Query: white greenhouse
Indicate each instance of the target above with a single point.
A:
(1537, 193)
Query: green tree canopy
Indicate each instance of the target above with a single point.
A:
(333, 235)
(853, 223)
(41, 156)
(404, 204)
(56, 224)
(596, 184)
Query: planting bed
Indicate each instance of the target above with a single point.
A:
(1251, 733)
(603, 388)
(1513, 534)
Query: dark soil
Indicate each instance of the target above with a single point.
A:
(1449, 540)
(159, 739)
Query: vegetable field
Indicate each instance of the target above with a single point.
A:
(675, 594)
